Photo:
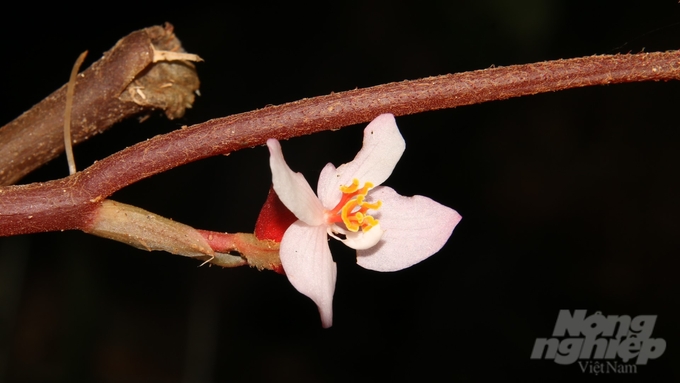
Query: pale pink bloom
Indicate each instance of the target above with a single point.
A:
(390, 232)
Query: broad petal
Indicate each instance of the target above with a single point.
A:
(292, 188)
(328, 188)
(415, 228)
(309, 266)
(382, 148)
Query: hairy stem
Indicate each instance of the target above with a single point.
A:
(71, 202)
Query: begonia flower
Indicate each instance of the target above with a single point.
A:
(390, 232)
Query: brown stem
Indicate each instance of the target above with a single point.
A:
(123, 83)
(69, 203)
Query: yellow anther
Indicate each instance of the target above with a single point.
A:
(351, 188)
(367, 205)
(368, 223)
(351, 225)
(352, 208)
(366, 188)
(345, 214)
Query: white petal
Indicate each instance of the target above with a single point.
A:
(309, 266)
(415, 228)
(328, 188)
(292, 188)
(359, 240)
(382, 148)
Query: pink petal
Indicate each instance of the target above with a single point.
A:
(292, 188)
(382, 148)
(415, 228)
(309, 266)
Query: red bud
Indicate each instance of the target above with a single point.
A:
(274, 219)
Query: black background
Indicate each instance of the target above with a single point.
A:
(569, 199)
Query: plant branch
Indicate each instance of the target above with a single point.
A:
(71, 202)
(126, 81)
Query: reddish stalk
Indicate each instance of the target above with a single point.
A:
(70, 203)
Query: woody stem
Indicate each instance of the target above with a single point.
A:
(69, 203)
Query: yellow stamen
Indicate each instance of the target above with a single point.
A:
(374, 206)
(351, 188)
(369, 222)
(352, 209)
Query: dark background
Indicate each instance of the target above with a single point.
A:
(569, 199)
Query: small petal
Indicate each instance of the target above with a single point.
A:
(292, 188)
(309, 266)
(359, 240)
(415, 228)
(382, 148)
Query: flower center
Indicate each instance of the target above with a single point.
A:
(351, 210)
